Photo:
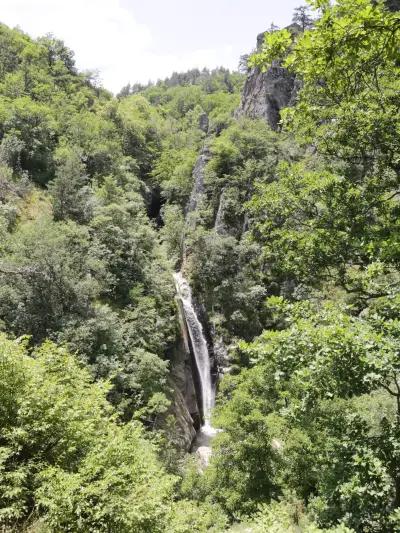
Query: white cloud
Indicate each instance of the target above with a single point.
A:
(106, 37)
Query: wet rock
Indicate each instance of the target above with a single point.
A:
(184, 405)
(184, 430)
(202, 446)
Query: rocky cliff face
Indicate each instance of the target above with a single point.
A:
(184, 405)
(393, 5)
(265, 94)
(198, 179)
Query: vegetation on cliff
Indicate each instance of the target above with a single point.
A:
(292, 251)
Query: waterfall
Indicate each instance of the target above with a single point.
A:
(202, 443)
(200, 349)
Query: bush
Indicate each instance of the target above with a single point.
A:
(62, 454)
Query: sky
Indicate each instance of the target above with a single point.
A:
(128, 41)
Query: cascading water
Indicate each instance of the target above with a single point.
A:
(199, 345)
(202, 358)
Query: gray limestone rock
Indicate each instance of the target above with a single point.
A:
(198, 179)
(265, 94)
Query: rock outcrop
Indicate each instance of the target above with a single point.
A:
(204, 122)
(198, 180)
(393, 5)
(265, 94)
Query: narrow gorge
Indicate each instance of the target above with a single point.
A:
(200, 275)
(263, 96)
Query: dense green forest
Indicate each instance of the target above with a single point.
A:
(292, 250)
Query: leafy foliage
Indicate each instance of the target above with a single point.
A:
(63, 455)
(290, 241)
(312, 406)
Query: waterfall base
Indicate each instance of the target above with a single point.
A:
(202, 444)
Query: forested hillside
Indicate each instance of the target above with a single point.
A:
(276, 194)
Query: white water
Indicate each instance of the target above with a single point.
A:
(200, 352)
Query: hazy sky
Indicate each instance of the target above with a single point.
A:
(139, 40)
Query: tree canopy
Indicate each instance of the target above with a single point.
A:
(290, 242)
